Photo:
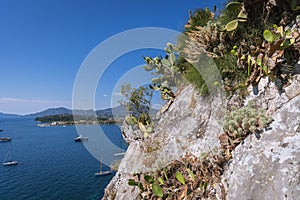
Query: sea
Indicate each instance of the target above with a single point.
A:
(51, 165)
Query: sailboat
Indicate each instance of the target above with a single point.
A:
(102, 173)
(7, 161)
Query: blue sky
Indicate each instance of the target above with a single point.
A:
(44, 42)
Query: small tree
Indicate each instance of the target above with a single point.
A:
(138, 101)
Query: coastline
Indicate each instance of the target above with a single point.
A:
(70, 123)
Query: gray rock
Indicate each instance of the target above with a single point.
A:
(268, 96)
(268, 168)
(131, 133)
(191, 125)
(265, 168)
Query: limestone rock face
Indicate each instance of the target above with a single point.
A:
(191, 125)
(268, 96)
(264, 168)
(269, 168)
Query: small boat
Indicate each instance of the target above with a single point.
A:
(81, 139)
(119, 154)
(11, 162)
(5, 139)
(103, 173)
(1, 130)
(8, 161)
(43, 125)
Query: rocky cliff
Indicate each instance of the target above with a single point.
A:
(268, 168)
(261, 167)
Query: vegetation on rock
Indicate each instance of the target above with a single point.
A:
(138, 104)
(169, 76)
(200, 177)
(189, 178)
(138, 99)
(241, 122)
(247, 41)
(254, 39)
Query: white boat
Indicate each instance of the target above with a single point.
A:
(5, 139)
(81, 139)
(43, 125)
(9, 163)
(119, 154)
(103, 173)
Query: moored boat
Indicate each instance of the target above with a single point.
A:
(101, 172)
(81, 139)
(43, 125)
(119, 154)
(9, 163)
(5, 139)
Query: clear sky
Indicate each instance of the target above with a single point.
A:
(44, 42)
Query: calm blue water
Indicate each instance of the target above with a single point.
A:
(53, 165)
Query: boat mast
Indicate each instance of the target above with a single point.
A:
(101, 163)
(9, 154)
(5, 159)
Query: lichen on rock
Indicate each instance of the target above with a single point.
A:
(268, 168)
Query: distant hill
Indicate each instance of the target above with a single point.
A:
(3, 115)
(84, 112)
(118, 112)
(50, 111)
(105, 113)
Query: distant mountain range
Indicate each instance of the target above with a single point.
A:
(50, 111)
(118, 112)
(3, 115)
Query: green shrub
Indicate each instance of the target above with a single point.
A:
(138, 103)
(242, 41)
(190, 178)
(200, 17)
(239, 123)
